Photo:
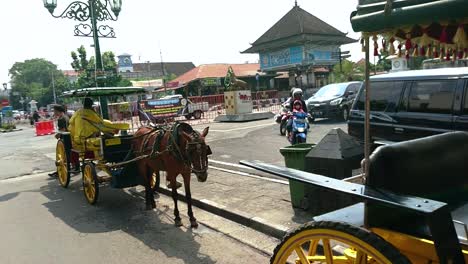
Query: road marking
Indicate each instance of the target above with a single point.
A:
(251, 175)
(240, 128)
(229, 164)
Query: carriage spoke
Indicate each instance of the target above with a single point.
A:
(312, 248)
(327, 251)
(361, 257)
(300, 253)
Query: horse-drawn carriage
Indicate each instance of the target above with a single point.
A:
(110, 154)
(413, 205)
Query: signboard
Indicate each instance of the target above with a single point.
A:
(211, 82)
(284, 57)
(5, 102)
(163, 108)
(172, 84)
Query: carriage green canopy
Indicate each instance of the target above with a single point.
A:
(107, 91)
(382, 15)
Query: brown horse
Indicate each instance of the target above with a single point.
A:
(178, 150)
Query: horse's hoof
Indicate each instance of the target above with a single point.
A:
(194, 223)
(178, 222)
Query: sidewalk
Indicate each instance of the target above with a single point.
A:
(255, 202)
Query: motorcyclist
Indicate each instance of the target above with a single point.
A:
(296, 96)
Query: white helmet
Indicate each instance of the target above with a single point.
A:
(297, 92)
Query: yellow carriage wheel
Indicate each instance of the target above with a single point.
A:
(62, 164)
(90, 183)
(333, 242)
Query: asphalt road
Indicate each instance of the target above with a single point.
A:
(42, 222)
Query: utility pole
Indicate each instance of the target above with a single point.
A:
(163, 72)
(53, 87)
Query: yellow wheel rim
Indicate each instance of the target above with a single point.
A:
(61, 163)
(304, 248)
(89, 184)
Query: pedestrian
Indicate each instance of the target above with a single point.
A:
(36, 117)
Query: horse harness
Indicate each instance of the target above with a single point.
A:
(173, 145)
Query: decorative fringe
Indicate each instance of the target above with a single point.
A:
(392, 51)
(363, 45)
(384, 46)
(399, 50)
(422, 51)
(416, 50)
(465, 53)
(443, 37)
(447, 55)
(460, 54)
(460, 39)
(429, 51)
(408, 44)
(435, 52)
(425, 40)
(376, 46)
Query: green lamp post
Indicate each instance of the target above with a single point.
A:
(92, 11)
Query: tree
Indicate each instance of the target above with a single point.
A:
(87, 70)
(349, 71)
(34, 79)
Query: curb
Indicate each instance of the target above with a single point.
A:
(257, 223)
(13, 130)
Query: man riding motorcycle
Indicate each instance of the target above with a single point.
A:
(296, 95)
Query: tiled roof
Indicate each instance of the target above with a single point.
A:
(218, 71)
(177, 68)
(298, 22)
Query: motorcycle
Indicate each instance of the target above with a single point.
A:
(299, 128)
(282, 118)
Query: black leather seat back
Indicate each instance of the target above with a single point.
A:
(434, 167)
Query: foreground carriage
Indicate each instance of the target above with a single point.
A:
(414, 204)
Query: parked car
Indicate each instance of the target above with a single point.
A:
(333, 100)
(413, 104)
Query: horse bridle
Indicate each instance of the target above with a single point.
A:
(197, 145)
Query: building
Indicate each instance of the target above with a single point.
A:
(302, 45)
(71, 75)
(208, 79)
(150, 70)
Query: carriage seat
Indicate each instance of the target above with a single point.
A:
(434, 167)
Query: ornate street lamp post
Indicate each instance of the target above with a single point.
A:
(92, 11)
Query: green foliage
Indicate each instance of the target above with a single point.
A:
(32, 79)
(87, 70)
(349, 71)
(8, 126)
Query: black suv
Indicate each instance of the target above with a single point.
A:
(413, 104)
(333, 100)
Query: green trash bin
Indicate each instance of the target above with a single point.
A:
(294, 158)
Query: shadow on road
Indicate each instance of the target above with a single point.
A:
(118, 210)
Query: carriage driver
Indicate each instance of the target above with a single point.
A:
(62, 125)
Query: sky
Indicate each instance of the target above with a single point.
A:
(202, 31)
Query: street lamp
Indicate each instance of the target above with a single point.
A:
(92, 11)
